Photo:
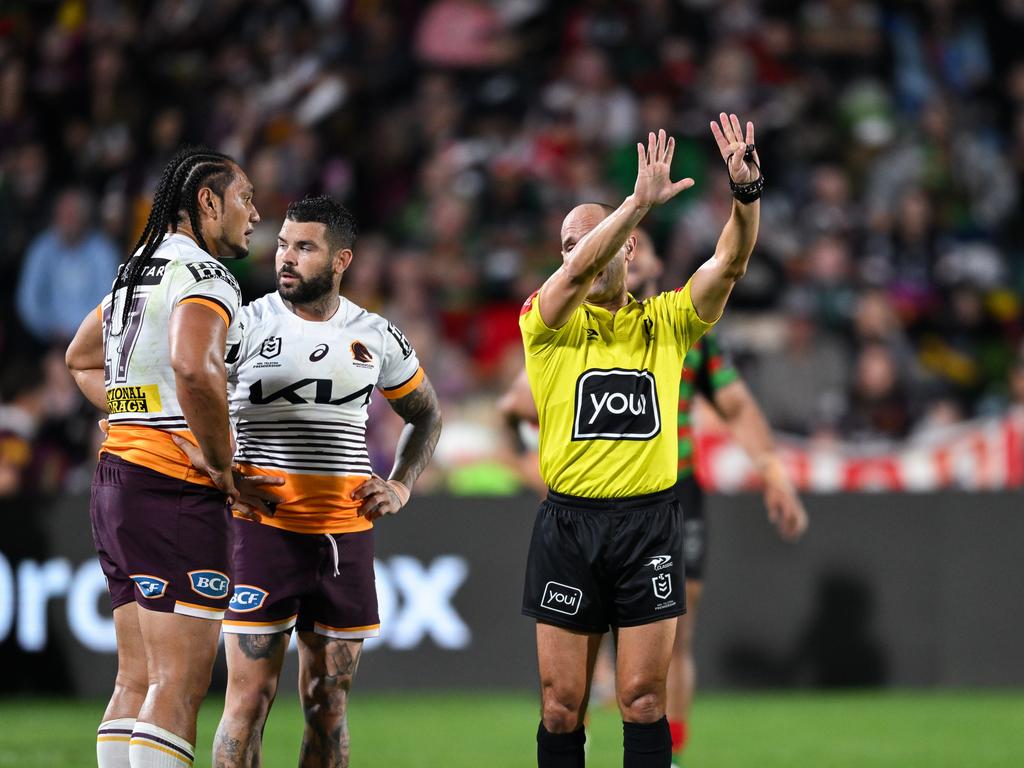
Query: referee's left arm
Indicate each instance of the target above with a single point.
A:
(714, 280)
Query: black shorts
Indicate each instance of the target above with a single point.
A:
(695, 528)
(595, 563)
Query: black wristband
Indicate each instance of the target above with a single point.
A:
(748, 193)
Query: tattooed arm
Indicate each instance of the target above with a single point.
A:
(422, 415)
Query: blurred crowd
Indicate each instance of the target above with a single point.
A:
(884, 297)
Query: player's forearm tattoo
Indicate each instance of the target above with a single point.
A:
(257, 647)
(422, 413)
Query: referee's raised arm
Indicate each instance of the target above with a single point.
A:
(714, 280)
(584, 256)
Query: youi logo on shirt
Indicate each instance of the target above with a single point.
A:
(616, 404)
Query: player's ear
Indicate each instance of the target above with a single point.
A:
(342, 258)
(209, 202)
(631, 247)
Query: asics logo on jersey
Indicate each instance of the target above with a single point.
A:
(616, 404)
(270, 347)
(323, 394)
(660, 562)
(360, 352)
(319, 353)
(247, 598)
(150, 586)
(209, 583)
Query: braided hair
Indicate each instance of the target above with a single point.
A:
(175, 200)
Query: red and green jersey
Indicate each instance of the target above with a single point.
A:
(706, 369)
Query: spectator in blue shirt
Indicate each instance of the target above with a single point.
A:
(68, 269)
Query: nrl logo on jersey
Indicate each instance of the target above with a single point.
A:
(616, 404)
(271, 347)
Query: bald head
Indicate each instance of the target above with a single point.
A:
(581, 220)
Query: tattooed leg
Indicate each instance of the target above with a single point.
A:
(254, 666)
(326, 668)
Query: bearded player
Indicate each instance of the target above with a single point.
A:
(301, 382)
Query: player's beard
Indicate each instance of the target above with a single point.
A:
(307, 290)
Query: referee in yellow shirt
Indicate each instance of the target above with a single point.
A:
(604, 371)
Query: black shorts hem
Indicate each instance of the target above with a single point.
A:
(654, 617)
(579, 626)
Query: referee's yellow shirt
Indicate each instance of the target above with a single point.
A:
(607, 392)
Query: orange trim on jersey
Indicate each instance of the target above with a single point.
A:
(209, 305)
(233, 623)
(99, 313)
(154, 449)
(313, 503)
(404, 389)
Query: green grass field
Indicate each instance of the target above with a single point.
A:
(455, 730)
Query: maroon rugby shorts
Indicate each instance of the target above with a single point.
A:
(162, 542)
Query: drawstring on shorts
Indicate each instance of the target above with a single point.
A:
(334, 552)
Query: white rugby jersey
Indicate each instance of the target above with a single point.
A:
(299, 392)
(142, 398)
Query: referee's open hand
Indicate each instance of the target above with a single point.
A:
(733, 145)
(654, 164)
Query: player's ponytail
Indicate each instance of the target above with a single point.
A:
(176, 197)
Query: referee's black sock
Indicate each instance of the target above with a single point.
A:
(560, 750)
(647, 745)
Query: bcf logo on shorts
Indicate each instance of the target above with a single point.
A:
(562, 598)
(247, 598)
(213, 584)
(150, 586)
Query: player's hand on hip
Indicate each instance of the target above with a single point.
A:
(253, 494)
(733, 144)
(654, 163)
(244, 502)
(380, 497)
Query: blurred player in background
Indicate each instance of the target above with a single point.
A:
(152, 357)
(707, 371)
(301, 381)
(604, 371)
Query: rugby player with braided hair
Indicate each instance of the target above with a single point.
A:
(152, 357)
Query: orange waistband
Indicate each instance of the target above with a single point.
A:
(314, 503)
(154, 449)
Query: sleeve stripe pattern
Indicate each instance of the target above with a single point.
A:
(210, 302)
(403, 389)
